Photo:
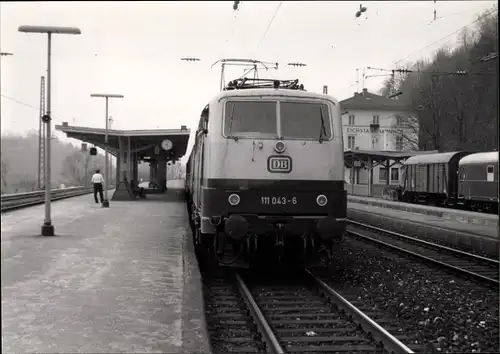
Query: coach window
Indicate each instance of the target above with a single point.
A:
(250, 118)
(302, 120)
(490, 173)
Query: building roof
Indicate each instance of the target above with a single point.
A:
(145, 140)
(370, 101)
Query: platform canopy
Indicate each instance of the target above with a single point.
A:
(145, 142)
(379, 156)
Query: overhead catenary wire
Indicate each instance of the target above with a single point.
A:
(20, 102)
(29, 106)
(270, 24)
(448, 35)
(443, 73)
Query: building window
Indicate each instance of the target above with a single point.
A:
(351, 142)
(376, 120)
(374, 142)
(399, 143)
(395, 174)
(351, 119)
(382, 174)
(399, 120)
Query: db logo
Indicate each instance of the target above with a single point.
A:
(279, 164)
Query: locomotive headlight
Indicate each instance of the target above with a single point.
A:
(321, 200)
(280, 147)
(234, 199)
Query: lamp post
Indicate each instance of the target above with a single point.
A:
(110, 120)
(47, 227)
(107, 96)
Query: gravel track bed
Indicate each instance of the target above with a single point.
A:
(462, 261)
(439, 310)
(229, 323)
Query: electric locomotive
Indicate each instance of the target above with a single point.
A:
(265, 177)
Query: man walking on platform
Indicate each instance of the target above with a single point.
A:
(98, 180)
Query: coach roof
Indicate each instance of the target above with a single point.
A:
(479, 158)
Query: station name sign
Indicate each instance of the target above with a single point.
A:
(366, 130)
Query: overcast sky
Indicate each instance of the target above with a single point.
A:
(134, 49)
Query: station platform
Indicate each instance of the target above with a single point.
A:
(118, 279)
(477, 237)
(460, 216)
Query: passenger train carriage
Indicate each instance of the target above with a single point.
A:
(478, 181)
(458, 179)
(265, 177)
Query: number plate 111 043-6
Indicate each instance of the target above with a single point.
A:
(278, 200)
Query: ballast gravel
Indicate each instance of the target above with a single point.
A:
(448, 314)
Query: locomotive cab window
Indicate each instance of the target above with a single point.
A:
(203, 119)
(250, 118)
(300, 120)
(490, 173)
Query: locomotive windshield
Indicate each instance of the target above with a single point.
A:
(305, 121)
(298, 120)
(250, 118)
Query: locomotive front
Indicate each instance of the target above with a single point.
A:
(273, 181)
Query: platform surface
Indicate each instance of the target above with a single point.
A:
(459, 216)
(118, 279)
(488, 231)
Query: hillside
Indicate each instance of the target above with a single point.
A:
(19, 158)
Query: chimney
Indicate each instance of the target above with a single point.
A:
(355, 93)
(365, 90)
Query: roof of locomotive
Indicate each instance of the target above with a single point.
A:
(269, 92)
(479, 158)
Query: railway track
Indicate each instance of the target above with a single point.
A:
(23, 200)
(292, 314)
(472, 266)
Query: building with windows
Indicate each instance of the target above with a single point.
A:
(377, 123)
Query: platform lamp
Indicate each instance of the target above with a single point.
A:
(107, 96)
(47, 227)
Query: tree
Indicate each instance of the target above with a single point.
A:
(455, 94)
(175, 171)
(76, 169)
